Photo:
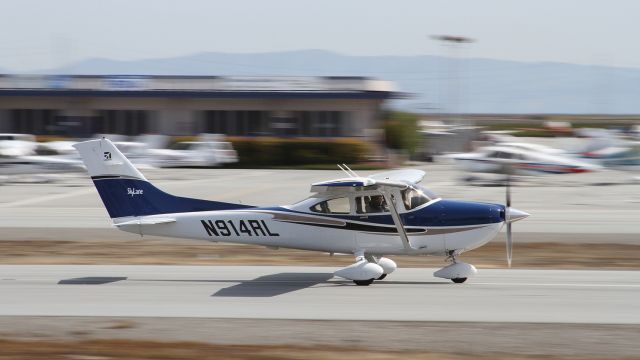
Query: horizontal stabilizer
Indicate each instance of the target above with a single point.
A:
(143, 221)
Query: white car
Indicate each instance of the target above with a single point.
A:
(196, 153)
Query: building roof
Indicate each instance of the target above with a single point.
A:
(197, 86)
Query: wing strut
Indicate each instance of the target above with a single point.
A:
(398, 222)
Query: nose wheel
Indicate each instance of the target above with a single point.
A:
(457, 271)
(363, 282)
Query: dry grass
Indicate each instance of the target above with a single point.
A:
(122, 325)
(160, 252)
(128, 349)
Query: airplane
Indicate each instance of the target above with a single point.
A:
(17, 145)
(18, 156)
(369, 217)
(519, 160)
(39, 165)
(534, 147)
(196, 153)
(609, 149)
(21, 154)
(208, 150)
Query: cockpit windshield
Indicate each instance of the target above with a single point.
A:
(415, 196)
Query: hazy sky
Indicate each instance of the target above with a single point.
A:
(45, 34)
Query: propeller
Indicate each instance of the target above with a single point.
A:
(511, 215)
(507, 217)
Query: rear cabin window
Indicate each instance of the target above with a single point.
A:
(333, 206)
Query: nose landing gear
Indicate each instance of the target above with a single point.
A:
(457, 271)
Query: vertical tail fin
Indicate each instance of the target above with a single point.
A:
(125, 192)
(102, 158)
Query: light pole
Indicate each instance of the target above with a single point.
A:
(453, 85)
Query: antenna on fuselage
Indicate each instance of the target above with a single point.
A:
(353, 173)
(345, 171)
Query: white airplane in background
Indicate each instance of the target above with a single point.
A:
(18, 157)
(207, 151)
(610, 150)
(519, 160)
(195, 153)
(369, 217)
(12, 145)
(534, 147)
(39, 165)
(21, 154)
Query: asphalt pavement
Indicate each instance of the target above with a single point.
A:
(312, 293)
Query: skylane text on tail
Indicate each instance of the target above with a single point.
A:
(369, 217)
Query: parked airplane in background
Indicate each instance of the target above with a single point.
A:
(519, 160)
(609, 149)
(39, 165)
(12, 145)
(369, 217)
(195, 153)
(18, 156)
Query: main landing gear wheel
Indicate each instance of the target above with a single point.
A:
(363, 282)
(459, 280)
(382, 277)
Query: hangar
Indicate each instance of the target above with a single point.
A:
(82, 105)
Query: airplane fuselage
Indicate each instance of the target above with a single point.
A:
(435, 229)
(383, 214)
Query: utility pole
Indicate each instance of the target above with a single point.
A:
(453, 44)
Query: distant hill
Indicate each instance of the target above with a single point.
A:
(486, 85)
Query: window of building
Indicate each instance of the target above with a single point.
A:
(241, 122)
(125, 122)
(33, 121)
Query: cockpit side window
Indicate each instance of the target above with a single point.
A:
(333, 206)
(412, 198)
(371, 204)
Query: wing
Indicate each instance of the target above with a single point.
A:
(342, 184)
(412, 176)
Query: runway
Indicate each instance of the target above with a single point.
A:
(311, 293)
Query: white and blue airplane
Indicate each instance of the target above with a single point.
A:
(369, 217)
(520, 159)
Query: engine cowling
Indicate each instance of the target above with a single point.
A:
(361, 270)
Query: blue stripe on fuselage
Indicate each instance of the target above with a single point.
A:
(133, 197)
(441, 213)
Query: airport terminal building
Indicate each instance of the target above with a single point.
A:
(187, 105)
